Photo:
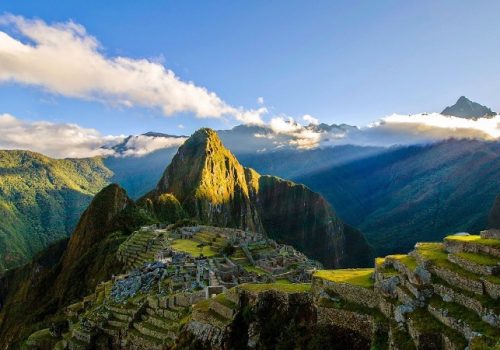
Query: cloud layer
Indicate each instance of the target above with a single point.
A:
(388, 131)
(55, 140)
(141, 145)
(63, 59)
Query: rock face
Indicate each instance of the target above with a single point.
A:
(494, 217)
(465, 108)
(214, 188)
(96, 221)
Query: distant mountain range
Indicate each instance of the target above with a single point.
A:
(445, 187)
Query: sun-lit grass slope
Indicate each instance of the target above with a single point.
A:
(358, 277)
(41, 200)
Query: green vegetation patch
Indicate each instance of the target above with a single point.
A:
(286, 288)
(426, 323)
(259, 271)
(405, 259)
(480, 259)
(462, 313)
(222, 299)
(435, 253)
(192, 247)
(358, 277)
(475, 239)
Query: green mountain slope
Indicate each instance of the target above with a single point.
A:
(41, 200)
(417, 193)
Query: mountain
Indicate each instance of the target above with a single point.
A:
(494, 215)
(414, 193)
(67, 270)
(465, 108)
(41, 200)
(214, 188)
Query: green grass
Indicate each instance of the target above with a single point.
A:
(405, 259)
(222, 299)
(192, 247)
(259, 271)
(283, 281)
(435, 253)
(287, 288)
(485, 300)
(426, 323)
(358, 277)
(480, 259)
(475, 239)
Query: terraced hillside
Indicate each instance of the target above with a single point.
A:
(169, 270)
(207, 295)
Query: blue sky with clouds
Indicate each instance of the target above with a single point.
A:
(339, 61)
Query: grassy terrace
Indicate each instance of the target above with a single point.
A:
(475, 239)
(222, 299)
(435, 253)
(426, 323)
(462, 313)
(405, 259)
(358, 277)
(192, 247)
(281, 287)
(480, 259)
(485, 300)
(255, 269)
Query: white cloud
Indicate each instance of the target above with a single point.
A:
(53, 139)
(180, 126)
(310, 119)
(260, 100)
(388, 131)
(141, 144)
(64, 59)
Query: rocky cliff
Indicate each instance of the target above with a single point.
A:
(214, 188)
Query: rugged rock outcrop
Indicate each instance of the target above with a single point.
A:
(214, 188)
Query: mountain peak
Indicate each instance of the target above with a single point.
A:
(209, 182)
(465, 108)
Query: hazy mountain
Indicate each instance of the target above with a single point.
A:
(465, 108)
(414, 193)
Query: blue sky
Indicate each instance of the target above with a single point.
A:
(339, 61)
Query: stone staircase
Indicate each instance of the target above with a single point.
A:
(157, 326)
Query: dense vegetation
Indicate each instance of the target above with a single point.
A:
(41, 200)
(414, 193)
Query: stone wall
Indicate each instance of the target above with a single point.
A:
(455, 279)
(357, 322)
(355, 294)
